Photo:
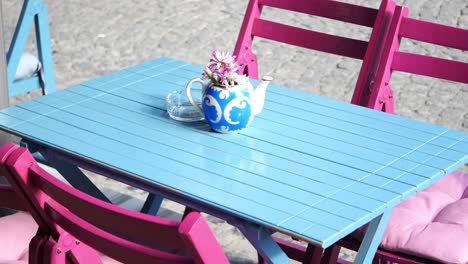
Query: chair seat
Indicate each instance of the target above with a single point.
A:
(16, 231)
(433, 224)
(28, 66)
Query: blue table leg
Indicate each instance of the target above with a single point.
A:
(75, 176)
(261, 239)
(152, 204)
(78, 179)
(372, 238)
(70, 172)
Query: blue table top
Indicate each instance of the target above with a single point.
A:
(309, 166)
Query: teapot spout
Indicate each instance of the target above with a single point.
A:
(259, 95)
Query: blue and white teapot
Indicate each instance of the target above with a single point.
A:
(230, 110)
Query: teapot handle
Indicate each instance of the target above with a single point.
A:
(189, 93)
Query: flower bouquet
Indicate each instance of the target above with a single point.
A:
(229, 102)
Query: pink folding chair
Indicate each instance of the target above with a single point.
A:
(368, 51)
(74, 226)
(432, 226)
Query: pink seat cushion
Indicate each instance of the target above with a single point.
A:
(15, 233)
(433, 224)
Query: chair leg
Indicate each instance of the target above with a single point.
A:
(36, 248)
(260, 259)
(330, 255)
(187, 211)
(313, 254)
(53, 254)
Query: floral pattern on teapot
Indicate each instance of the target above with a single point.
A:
(228, 110)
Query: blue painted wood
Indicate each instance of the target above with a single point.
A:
(108, 158)
(372, 238)
(261, 239)
(33, 12)
(45, 51)
(151, 134)
(266, 197)
(317, 170)
(24, 85)
(152, 204)
(18, 41)
(127, 93)
(73, 175)
(391, 138)
(91, 104)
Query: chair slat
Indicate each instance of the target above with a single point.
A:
(434, 33)
(352, 48)
(359, 15)
(131, 224)
(121, 249)
(430, 66)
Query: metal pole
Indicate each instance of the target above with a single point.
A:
(4, 102)
(4, 98)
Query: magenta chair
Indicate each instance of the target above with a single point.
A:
(367, 51)
(74, 227)
(432, 226)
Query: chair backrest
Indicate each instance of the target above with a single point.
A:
(34, 12)
(368, 51)
(66, 214)
(394, 60)
(381, 95)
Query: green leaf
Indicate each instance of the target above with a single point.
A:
(213, 79)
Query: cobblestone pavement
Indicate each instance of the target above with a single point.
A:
(91, 38)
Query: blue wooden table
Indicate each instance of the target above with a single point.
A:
(309, 166)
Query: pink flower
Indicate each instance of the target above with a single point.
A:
(222, 57)
(222, 70)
